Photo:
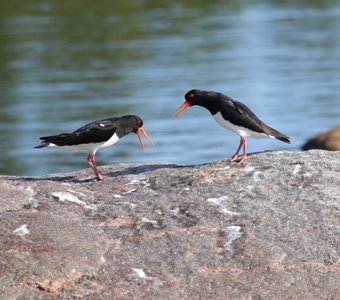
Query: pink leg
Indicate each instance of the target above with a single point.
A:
(92, 163)
(235, 156)
(244, 156)
(243, 142)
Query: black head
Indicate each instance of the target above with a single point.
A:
(209, 100)
(131, 123)
(195, 97)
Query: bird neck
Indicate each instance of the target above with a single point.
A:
(123, 130)
(211, 106)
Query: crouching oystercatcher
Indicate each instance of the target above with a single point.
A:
(232, 115)
(96, 135)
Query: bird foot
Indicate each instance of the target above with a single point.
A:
(235, 157)
(244, 157)
(100, 176)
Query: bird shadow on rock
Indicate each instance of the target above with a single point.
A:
(127, 171)
(54, 178)
(147, 168)
(259, 152)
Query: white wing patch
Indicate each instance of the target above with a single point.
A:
(101, 125)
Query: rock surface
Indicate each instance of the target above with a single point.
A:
(329, 140)
(269, 229)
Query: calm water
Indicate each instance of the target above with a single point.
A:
(65, 63)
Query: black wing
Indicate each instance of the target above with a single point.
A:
(241, 115)
(95, 132)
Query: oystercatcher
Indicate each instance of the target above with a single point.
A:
(232, 115)
(96, 135)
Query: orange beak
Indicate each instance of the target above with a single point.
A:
(140, 136)
(181, 109)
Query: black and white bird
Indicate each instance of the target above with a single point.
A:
(96, 135)
(232, 115)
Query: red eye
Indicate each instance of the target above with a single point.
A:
(139, 122)
(191, 96)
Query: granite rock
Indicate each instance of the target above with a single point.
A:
(268, 229)
(329, 140)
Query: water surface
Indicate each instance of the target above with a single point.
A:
(64, 64)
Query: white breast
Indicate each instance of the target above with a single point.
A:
(114, 139)
(238, 129)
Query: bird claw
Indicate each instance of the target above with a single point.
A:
(242, 159)
(234, 157)
(100, 176)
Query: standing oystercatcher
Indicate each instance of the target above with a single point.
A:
(232, 115)
(96, 135)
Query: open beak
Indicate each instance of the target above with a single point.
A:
(181, 109)
(140, 136)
